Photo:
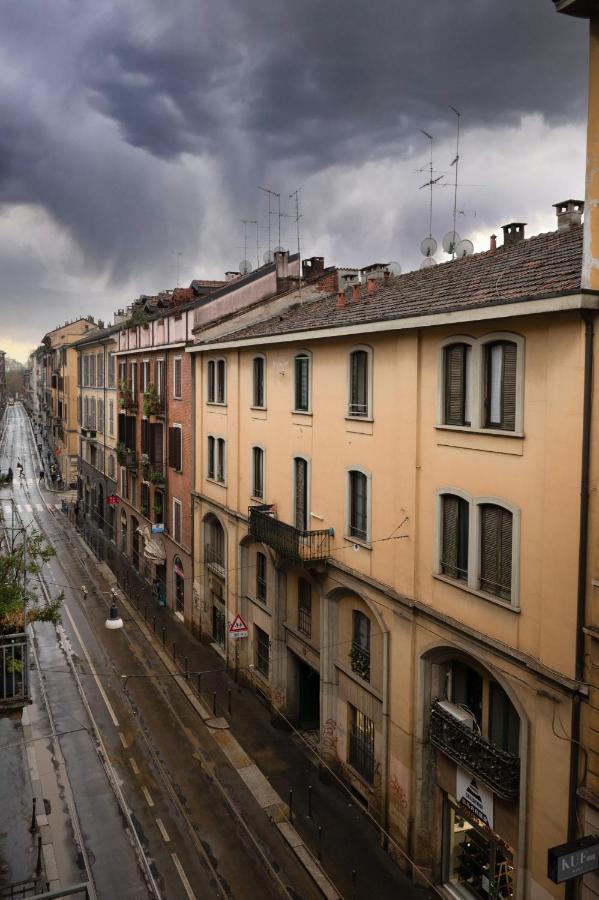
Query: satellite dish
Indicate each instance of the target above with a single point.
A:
(245, 266)
(428, 247)
(279, 249)
(394, 267)
(464, 248)
(450, 241)
(268, 257)
(428, 262)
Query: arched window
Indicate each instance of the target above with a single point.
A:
(302, 386)
(358, 525)
(216, 377)
(258, 473)
(454, 536)
(360, 648)
(500, 385)
(259, 382)
(359, 400)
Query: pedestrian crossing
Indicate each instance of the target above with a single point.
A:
(22, 508)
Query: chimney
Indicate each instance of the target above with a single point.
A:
(386, 275)
(371, 285)
(313, 266)
(493, 246)
(341, 301)
(513, 233)
(356, 293)
(569, 213)
(282, 263)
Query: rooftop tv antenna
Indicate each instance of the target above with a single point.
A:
(247, 222)
(270, 213)
(456, 163)
(295, 196)
(429, 244)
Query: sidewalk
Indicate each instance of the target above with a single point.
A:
(349, 841)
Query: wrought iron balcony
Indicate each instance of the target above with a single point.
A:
(495, 767)
(214, 559)
(126, 458)
(292, 543)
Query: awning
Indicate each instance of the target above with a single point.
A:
(154, 549)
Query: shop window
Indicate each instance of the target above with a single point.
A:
(361, 744)
(475, 864)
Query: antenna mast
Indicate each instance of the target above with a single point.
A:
(178, 254)
(456, 163)
(295, 195)
(278, 196)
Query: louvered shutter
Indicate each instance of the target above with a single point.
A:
(505, 561)
(174, 448)
(496, 551)
(508, 388)
(455, 384)
(449, 552)
(122, 427)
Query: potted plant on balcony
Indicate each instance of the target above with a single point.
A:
(122, 451)
(156, 477)
(151, 401)
(143, 510)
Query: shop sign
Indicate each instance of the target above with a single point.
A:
(573, 859)
(474, 797)
(112, 500)
(158, 528)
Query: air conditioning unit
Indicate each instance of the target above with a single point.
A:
(460, 713)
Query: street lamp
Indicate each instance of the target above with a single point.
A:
(113, 621)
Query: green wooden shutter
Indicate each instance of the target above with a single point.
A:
(455, 384)
(508, 387)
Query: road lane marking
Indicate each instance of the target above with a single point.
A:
(115, 721)
(183, 877)
(39, 507)
(163, 831)
(28, 507)
(146, 794)
(123, 741)
(134, 766)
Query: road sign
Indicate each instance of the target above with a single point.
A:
(238, 628)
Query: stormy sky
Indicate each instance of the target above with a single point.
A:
(134, 135)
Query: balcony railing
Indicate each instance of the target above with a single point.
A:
(127, 458)
(495, 767)
(290, 542)
(154, 472)
(127, 399)
(214, 559)
(14, 671)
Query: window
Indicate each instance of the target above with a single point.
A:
(220, 460)
(158, 508)
(361, 744)
(454, 540)
(133, 379)
(175, 460)
(304, 606)
(177, 517)
(359, 653)
(124, 491)
(217, 374)
(79, 368)
(261, 577)
(500, 385)
(300, 493)
(145, 375)
(111, 370)
(262, 651)
(258, 364)
(122, 374)
(100, 370)
(86, 412)
(160, 378)
(358, 505)
(496, 551)
(86, 371)
(111, 418)
(496, 717)
(100, 415)
(92, 371)
(211, 469)
(111, 466)
(302, 382)
(258, 473)
(457, 367)
(177, 386)
(144, 499)
(504, 722)
(93, 412)
(359, 383)
(79, 419)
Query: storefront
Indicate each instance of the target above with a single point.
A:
(477, 862)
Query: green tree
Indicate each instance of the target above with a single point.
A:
(19, 568)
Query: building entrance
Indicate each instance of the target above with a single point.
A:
(309, 696)
(477, 864)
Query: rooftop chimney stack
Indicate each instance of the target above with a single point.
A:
(341, 299)
(513, 233)
(356, 293)
(569, 212)
(493, 246)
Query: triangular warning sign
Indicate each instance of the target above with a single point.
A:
(237, 625)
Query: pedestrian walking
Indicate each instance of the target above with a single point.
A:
(9, 476)
(41, 475)
(39, 449)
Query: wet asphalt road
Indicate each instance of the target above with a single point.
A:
(183, 834)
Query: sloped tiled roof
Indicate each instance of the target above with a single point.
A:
(541, 266)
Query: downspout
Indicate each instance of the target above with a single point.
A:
(588, 319)
(385, 760)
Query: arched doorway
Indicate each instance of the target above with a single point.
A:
(179, 585)
(215, 583)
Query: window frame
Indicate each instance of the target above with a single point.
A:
(253, 492)
(177, 504)
(302, 354)
(367, 416)
(354, 538)
(307, 461)
(304, 610)
(258, 357)
(178, 364)
(261, 577)
(259, 633)
(366, 728)
(216, 383)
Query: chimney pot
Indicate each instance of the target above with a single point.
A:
(493, 242)
(513, 232)
(356, 295)
(371, 286)
(341, 299)
(386, 275)
(569, 213)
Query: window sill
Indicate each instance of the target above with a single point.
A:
(256, 499)
(216, 403)
(467, 429)
(301, 412)
(359, 418)
(359, 541)
(490, 598)
(216, 481)
(177, 398)
(259, 408)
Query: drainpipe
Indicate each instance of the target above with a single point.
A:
(385, 760)
(588, 319)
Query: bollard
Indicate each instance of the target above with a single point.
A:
(229, 692)
(174, 650)
(309, 801)
(320, 842)
(33, 826)
(186, 668)
(354, 876)
(154, 624)
(291, 805)
(38, 865)
(214, 703)
(200, 683)
(164, 637)
(145, 613)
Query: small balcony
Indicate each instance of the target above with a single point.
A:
(126, 458)
(127, 399)
(214, 559)
(154, 472)
(300, 546)
(497, 768)
(154, 402)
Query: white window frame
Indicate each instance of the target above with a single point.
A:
(308, 354)
(218, 480)
(363, 542)
(144, 375)
(178, 360)
(472, 584)
(215, 360)
(160, 377)
(179, 504)
(476, 400)
(253, 403)
(253, 494)
(308, 462)
(369, 375)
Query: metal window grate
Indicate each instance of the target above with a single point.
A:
(361, 744)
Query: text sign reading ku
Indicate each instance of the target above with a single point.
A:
(573, 859)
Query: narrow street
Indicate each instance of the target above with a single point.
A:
(141, 808)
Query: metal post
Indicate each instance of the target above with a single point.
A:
(186, 668)
(291, 805)
(236, 662)
(174, 650)
(154, 624)
(38, 865)
(354, 876)
(320, 842)
(145, 613)
(164, 637)
(229, 699)
(200, 683)
(33, 826)
(309, 801)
